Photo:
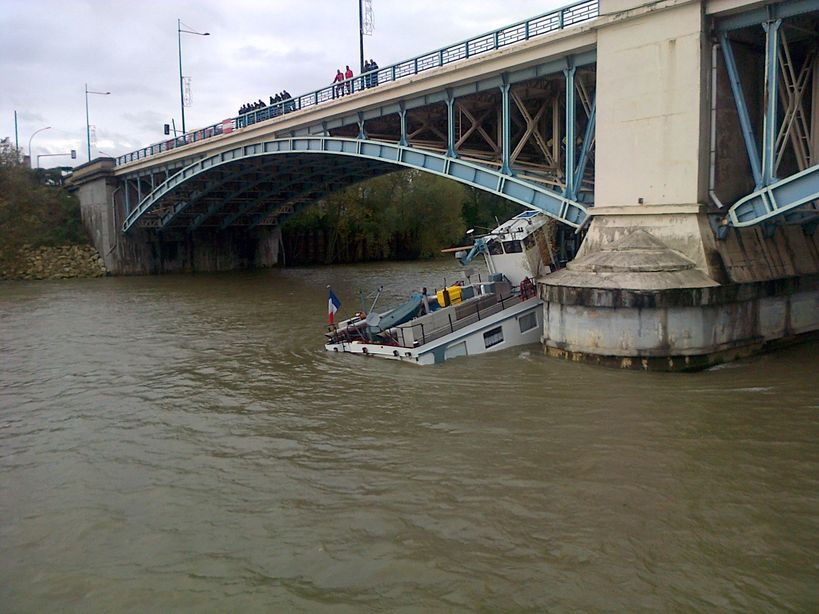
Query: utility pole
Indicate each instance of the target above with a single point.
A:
(179, 32)
(361, 34)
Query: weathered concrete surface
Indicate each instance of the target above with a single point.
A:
(651, 102)
(637, 261)
(150, 252)
(638, 303)
(748, 255)
(684, 329)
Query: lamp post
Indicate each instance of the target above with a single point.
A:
(179, 32)
(31, 137)
(87, 122)
(361, 35)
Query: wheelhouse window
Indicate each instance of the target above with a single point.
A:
(527, 322)
(495, 248)
(493, 337)
(512, 247)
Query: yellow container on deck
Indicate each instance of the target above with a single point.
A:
(449, 296)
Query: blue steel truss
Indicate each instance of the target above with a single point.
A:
(518, 190)
(772, 197)
(776, 199)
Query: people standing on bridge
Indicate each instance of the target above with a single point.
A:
(348, 75)
(367, 75)
(374, 76)
(289, 103)
(339, 89)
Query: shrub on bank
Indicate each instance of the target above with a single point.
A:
(33, 214)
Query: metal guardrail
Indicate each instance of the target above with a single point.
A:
(515, 33)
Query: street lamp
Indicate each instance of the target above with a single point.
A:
(31, 137)
(179, 32)
(87, 122)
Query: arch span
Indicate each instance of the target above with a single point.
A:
(291, 168)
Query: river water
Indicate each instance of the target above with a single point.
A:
(184, 443)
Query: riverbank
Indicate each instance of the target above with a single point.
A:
(57, 262)
(41, 230)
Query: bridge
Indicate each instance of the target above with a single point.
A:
(695, 121)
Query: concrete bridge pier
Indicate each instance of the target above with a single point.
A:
(148, 251)
(652, 286)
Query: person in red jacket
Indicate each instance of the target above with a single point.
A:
(348, 75)
(339, 89)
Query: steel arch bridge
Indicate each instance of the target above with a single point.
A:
(263, 183)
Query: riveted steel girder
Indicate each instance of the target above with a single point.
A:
(776, 199)
(516, 189)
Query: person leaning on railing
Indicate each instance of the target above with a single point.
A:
(348, 74)
(374, 76)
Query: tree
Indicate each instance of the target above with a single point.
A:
(403, 215)
(32, 213)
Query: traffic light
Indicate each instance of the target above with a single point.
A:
(73, 154)
(167, 128)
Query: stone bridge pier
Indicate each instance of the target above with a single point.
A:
(658, 283)
(145, 251)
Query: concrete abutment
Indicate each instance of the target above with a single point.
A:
(147, 251)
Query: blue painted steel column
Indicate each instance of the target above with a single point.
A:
(742, 109)
(569, 74)
(588, 137)
(770, 124)
(450, 125)
(139, 189)
(402, 113)
(506, 126)
(362, 133)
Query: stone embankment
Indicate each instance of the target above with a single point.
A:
(61, 262)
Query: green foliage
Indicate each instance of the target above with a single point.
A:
(35, 214)
(403, 215)
(484, 210)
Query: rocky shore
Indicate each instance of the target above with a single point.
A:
(61, 262)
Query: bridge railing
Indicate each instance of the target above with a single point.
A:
(508, 35)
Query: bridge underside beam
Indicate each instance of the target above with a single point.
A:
(294, 165)
(777, 199)
(521, 130)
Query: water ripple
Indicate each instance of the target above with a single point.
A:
(184, 442)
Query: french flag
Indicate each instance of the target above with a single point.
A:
(332, 305)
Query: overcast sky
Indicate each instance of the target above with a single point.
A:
(50, 48)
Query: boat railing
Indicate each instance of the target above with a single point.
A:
(459, 323)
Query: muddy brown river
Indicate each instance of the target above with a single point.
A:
(184, 443)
